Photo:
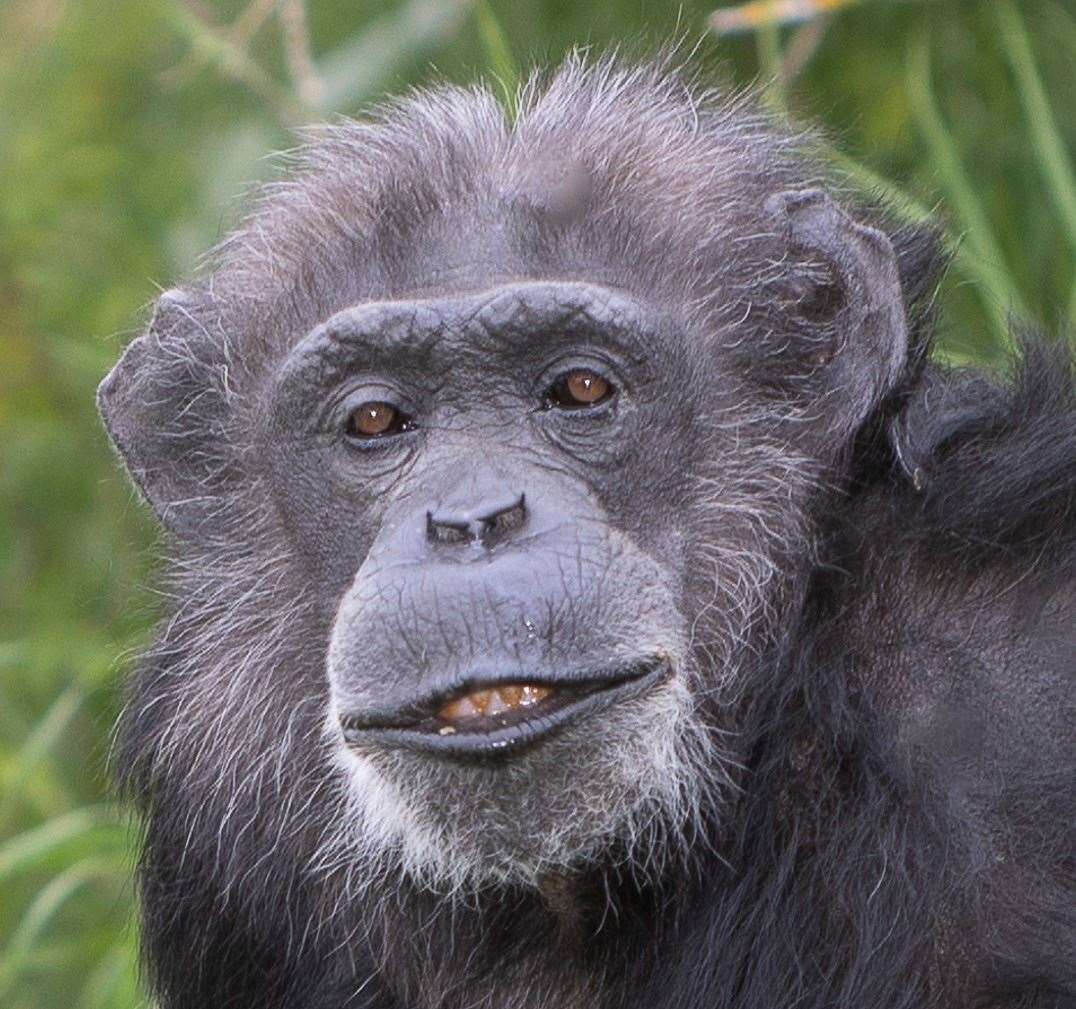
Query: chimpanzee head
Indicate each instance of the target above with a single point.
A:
(491, 454)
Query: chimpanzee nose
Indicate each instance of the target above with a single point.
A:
(482, 524)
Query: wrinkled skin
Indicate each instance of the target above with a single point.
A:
(577, 586)
(587, 594)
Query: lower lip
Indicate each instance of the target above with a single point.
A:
(509, 739)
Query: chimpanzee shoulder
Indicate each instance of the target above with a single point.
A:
(950, 612)
(992, 462)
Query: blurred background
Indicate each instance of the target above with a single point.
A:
(128, 128)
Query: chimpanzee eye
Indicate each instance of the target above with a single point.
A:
(579, 388)
(377, 420)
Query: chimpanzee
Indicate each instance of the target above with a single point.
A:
(586, 591)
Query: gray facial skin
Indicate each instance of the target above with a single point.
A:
(448, 599)
(584, 591)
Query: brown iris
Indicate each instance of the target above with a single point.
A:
(580, 388)
(370, 420)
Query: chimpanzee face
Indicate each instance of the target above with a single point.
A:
(496, 487)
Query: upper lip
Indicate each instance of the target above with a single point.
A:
(413, 724)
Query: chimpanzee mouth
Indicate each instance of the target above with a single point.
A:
(489, 717)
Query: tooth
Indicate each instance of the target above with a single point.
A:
(534, 694)
(480, 700)
(462, 707)
(512, 695)
(496, 703)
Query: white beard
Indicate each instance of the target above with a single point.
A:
(635, 777)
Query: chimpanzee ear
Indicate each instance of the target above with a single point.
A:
(162, 405)
(848, 299)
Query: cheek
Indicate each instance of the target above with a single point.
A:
(649, 493)
(596, 446)
(330, 515)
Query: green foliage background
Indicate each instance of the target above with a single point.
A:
(127, 130)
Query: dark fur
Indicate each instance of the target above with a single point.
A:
(902, 836)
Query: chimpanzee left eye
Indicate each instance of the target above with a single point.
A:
(377, 420)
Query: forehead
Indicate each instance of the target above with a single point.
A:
(488, 240)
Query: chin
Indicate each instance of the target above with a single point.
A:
(627, 783)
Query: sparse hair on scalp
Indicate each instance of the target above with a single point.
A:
(783, 844)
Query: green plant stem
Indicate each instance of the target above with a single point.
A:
(217, 47)
(499, 54)
(997, 292)
(360, 65)
(1046, 142)
(28, 849)
(36, 748)
(116, 970)
(41, 912)
(771, 62)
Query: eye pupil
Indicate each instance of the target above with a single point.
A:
(372, 419)
(581, 388)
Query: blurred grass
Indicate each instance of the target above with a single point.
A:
(128, 127)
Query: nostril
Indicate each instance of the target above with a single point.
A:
(480, 525)
(439, 530)
(503, 521)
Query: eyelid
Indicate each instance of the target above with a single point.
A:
(355, 394)
(583, 360)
